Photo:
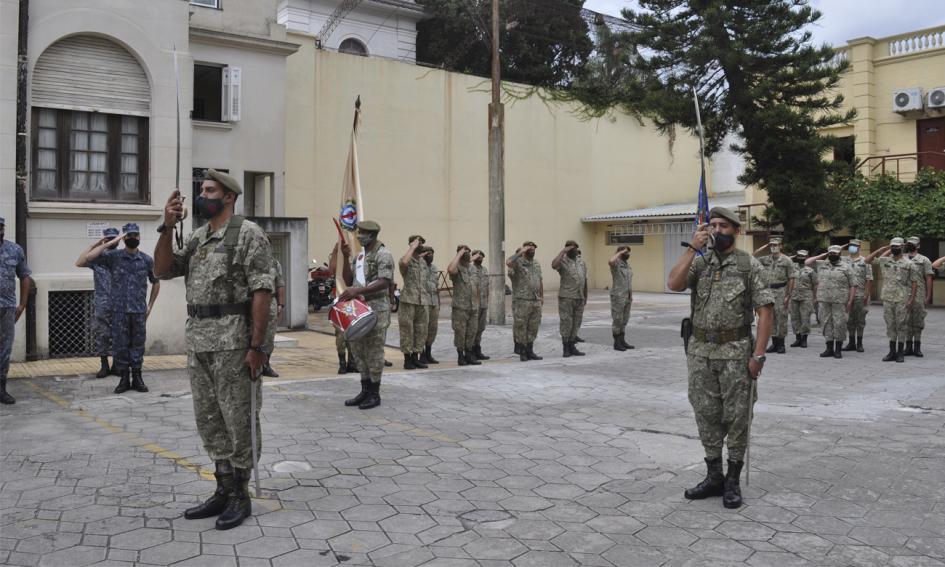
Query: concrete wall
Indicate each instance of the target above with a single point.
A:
(253, 17)
(424, 164)
(9, 13)
(295, 231)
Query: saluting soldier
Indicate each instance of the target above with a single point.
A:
(863, 276)
(431, 302)
(226, 268)
(411, 315)
(465, 313)
(923, 297)
(836, 287)
(102, 312)
(483, 319)
(900, 283)
(528, 297)
(803, 299)
(572, 296)
(779, 271)
(728, 286)
(621, 296)
(12, 266)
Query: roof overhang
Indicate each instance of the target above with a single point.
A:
(683, 211)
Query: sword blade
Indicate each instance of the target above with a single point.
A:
(751, 417)
(177, 88)
(252, 433)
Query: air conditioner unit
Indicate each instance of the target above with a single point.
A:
(907, 100)
(936, 98)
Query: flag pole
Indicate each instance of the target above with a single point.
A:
(695, 100)
(354, 157)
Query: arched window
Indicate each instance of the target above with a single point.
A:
(353, 46)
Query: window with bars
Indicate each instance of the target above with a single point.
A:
(70, 316)
(89, 156)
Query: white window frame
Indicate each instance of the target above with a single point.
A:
(215, 4)
(232, 94)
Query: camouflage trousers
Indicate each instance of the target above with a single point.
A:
(270, 341)
(368, 351)
(897, 320)
(526, 317)
(433, 320)
(916, 320)
(102, 332)
(856, 323)
(221, 389)
(570, 315)
(481, 324)
(833, 316)
(7, 331)
(465, 325)
(620, 312)
(801, 310)
(128, 338)
(779, 328)
(412, 319)
(718, 392)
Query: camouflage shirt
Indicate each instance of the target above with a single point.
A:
(723, 302)
(431, 294)
(413, 276)
(130, 276)
(12, 266)
(526, 278)
(378, 263)
(210, 280)
(834, 281)
(862, 273)
(102, 280)
(483, 273)
(805, 280)
(622, 275)
(465, 287)
(573, 278)
(277, 279)
(898, 277)
(924, 268)
(778, 270)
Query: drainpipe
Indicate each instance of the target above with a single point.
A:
(22, 106)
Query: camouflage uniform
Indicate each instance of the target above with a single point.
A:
(217, 275)
(526, 298)
(483, 273)
(571, 297)
(12, 266)
(621, 295)
(833, 290)
(102, 310)
(719, 384)
(916, 317)
(862, 273)
(131, 273)
(802, 300)
(412, 315)
(431, 302)
(898, 277)
(779, 270)
(368, 351)
(465, 306)
(277, 282)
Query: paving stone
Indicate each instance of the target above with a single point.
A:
(585, 542)
(266, 547)
(78, 556)
(358, 542)
(171, 552)
(142, 538)
(543, 559)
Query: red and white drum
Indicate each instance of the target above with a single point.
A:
(353, 318)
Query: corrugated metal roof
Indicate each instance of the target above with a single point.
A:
(730, 200)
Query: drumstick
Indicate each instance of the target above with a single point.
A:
(339, 272)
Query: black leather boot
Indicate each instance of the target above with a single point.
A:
(900, 352)
(577, 339)
(105, 370)
(423, 357)
(114, 371)
(430, 359)
(417, 362)
(797, 341)
(838, 349)
(829, 351)
(352, 365)
(461, 357)
(804, 341)
(774, 346)
(5, 398)
(712, 485)
(518, 348)
(530, 352)
(850, 345)
(565, 348)
(859, 343)
(408, 362)
(268, 371)
(137, 383)
(214, 505)
(356, 401)
(479, 354)
(908, 351)
(780, 345)
(733, 490)
(617, 344)
(917, 349)
(342, 364)
(124, 384)
(623, 340)
(239, 506)
(892, 352)
(574, 350)
(373, 398)
(471, 358)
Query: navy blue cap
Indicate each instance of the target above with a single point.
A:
(110, 232)
(131, 227)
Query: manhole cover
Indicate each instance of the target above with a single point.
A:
(291, 466)
(489, 519)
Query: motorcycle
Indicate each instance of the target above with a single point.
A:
(321, 284)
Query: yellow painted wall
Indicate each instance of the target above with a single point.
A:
(424, 163)
(646, 261)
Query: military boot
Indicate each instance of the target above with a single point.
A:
(239, 506)
(859, 343)
(417, 362)
(797, 341)
(908, 351)
(838, 349)
(430, 355)
(5, 398)
(461, 357)
(712, 485)
(423, 356)
(342, 364)
(577, 339)
(917, 349)
(892, 352)
(804, 341)
(774, 345)
(780, 345)
(408, 362)
(114, 371)
(373, 398)
(829, 351)
(574, 349)
(623, 340)
(124, 384)
(520, 351)
(105, 370)
(530, 352)
(479, 354)
(471, 358)
(732, 498)
(269, 372)
(617, 344)
(214, 505)
(352, 365)
(851, 346)
(565, 348)
(900, 352)
(518, 348)
(356, 401)
(137, 382)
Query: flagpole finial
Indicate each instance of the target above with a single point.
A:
(357, 103)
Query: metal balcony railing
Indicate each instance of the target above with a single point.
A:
(901, 166)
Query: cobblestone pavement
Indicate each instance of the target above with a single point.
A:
(578, 461)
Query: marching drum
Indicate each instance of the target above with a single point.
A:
(353, 318)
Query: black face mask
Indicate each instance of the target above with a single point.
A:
(572, 254)
(530, 254)
(896, 251)
(910, 248)
(834, 258)
(429, 260)
(2, 234)
(132, 243)
(208, 208)
(478, 262)
(625, 256)
(723, 241)
(465, 258)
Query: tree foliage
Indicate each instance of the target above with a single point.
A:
(884, 207)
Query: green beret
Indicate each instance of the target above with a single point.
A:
(223, 179)
(896, 242)
(369, 225)
(855, 242)
(413, 237)
(724, 213)
(529, 243)
(571, 243)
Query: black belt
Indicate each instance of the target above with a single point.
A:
(218, 310)
(721, 337)
(777, 285)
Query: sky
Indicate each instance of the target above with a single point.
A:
(844, 20)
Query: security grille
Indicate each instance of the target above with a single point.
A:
(616, 231)
(70, 317)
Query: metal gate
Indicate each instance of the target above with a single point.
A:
(70, 329)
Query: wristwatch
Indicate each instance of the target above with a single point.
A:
(257, 348)
(161, 228)
(760, 359)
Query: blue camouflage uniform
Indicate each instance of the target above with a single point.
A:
(102, 313)
(12, 266)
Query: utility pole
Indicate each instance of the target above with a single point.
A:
(496, 185)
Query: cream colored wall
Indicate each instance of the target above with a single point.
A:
(240, 17)
(646, 260)
(423, 154)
